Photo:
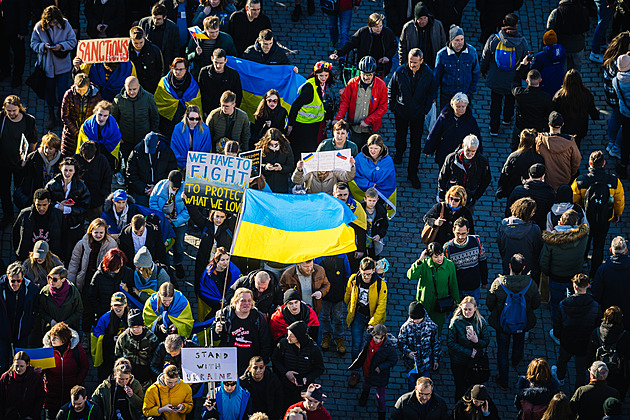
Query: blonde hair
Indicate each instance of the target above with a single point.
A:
(459, 192)
(237, 295)
(96, 223)
(478, 319)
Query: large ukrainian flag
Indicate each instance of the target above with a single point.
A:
(257, 79)
(289, 229)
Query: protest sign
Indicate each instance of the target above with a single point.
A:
(335, 160)
(216, 181)
(256, 157)
(103, 50)
(207, 364)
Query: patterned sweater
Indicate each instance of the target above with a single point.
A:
(470, 262)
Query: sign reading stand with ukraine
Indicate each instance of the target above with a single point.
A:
(292, 228)
(216, 181)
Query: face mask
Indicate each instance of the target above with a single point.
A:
(275, 149)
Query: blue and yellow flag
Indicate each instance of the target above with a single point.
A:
(293, 228)
(43, 358)
(257, 79)
(178, 313)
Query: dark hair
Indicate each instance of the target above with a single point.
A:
(527, 140)
(533, 75)
(61, 330)
(263, 109)
(511, 19)
(211, 22)
(50, 14)
(569, 218)
(434, 248)
(367, 263)
(271, 135)
(341, 125)
(341, 186)
(88, 150)
(559, 408)
(78, 391)
(580, 280)
(137, 221)
(573, 94)
(114, 260)
(461, 222)
(219, 53)
(517, 263)
(136, 32)
(81, 80)
(159, 9)
(68, 161)
(41, 194)
(538, 371)
(618, 46)
(597, 159)
(178, 60)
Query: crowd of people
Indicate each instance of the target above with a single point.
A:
(97, 274)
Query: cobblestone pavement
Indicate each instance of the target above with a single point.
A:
(310, 41)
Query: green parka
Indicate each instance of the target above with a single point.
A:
(69, 312)
(136, 117)
(102, 396)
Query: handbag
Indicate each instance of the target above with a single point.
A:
(37, 81)
(478, 369)
(443, 305)
(429, 232)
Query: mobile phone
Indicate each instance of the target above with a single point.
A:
(530, 55)
(469, 328)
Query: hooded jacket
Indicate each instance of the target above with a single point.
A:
(70, 369)
(384, 358)
(515, 283)
(70, 115)
(562, 157)
(69, 312)
(377, 299)
(515, 170)
(407, 102)
(77, 268)
(558, 209)
(159, 197)
(551, 62)
(137, 116)
(150, 161)
(519, 237)
(159, 394)
(267, 301)
(611, 284)
(561, 251)
(539, 191)
(93, 410)
(24, 235)
(500, 81)
(306, 360)
(21, 398)
(570, 22)
(409, 39)
(276, 55)
(17, 318)
(536, 394)
(97, 177)
(448, 132)
(103, 397)
(363, 40)
(424, 339)
(282, 318)
(582, 183)
(475, 175)
(575, 319)
(37, 172)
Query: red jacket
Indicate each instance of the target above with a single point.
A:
(320, 414)
(378, 103)
(21, 398)
(278, 324)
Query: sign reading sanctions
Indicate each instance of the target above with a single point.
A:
(216, 181)
(103, 50)
(207, 364)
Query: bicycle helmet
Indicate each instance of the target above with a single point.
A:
(367, 64)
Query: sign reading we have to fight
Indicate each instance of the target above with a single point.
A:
(207, 364)
(103, 50)
(216, 181)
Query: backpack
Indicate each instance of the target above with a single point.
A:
(513, 317)
(329, 7)
(505, 57)
(598, 203)
(608, 354)
(530, 411)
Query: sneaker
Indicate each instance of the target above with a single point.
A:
(119, 178)
(553, 337)
(179, 271)
(494, 133)
(554, 373)
(354, 379)
(610, 146)
(596, 58)
(341, 347)
(326, 341)
(363, 399)
(615, 151)
(508, 122)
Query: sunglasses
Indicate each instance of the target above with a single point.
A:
(53, 279)
(455, 199)
(229, 383)
(15, 281)
(272, 101)
(194, 118)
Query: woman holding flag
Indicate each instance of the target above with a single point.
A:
(168, 312)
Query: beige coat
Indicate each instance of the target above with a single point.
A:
(562, 158)
(312, 184)
(81, 258)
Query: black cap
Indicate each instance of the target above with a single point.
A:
(420, 10)
(555, 119)
(298, 328)
(175, 179)
(537, 170)
(134, 319)
(291, 294)
(416, 310)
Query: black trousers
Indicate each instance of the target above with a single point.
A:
(6, 174)
(498, 102)
(597, 234)
(415, 128)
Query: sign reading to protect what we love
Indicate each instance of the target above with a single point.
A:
(103, 50)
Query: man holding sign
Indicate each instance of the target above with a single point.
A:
(321, 181)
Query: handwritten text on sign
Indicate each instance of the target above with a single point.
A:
(256, 157)
(103, 50)
(206, 364)
(216, 181)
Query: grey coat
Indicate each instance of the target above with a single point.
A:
(500, 81)
(53, 65)
(409, 39)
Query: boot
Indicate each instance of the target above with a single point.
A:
(50, 125)
(341, 347)
(310, 7)
(363, 399)
(354, 379)
(381, 415)
(297, 12)
(326, 341)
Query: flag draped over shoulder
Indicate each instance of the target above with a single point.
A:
(110, 134)
(380, 175)
(167, 99)
(293, 228)
(178, 313)
(257, 79)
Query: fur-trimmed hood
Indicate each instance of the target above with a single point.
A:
(107, 206)
(73, 341)
(570, 236)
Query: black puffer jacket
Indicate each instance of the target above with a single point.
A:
(408, 408)
(475, 175)
(279, 118)
(144, 169)
(278, 180)
(276, 55)
(213, 84)
(306, 360)
(611, 334)
(79, 193)
(270, 401)
(268, 301)
(385, 358)
(103, 285)
(149, 65)
(575, 319)
(515, 170)
(363, 41)
(539, 191)
(537, 394)
(519, 237)
(97, 176)
(611, 285)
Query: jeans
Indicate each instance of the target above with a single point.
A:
(331, 318)
(557, 292)
(503, 348)
(496, 103)
(339, 28)
(380, 396)
(604, 18)
(413, 377)
(574, 60)
(416, 128)
(6, 174)
(474, 293)
(614, 127)
(357, 330)
(55, 89)
(597, 234)
(581, 365)
(178, 247)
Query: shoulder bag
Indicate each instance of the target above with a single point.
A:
(430, 232)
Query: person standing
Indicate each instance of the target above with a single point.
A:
(228, 123)
(146, 58)
(216, 78)
(421, 403)
(246, 24)
(538, 190)
(588, 400)
(199, 52)
(40, 166)
(469, 257)
(425, 32)
(77, 106)
(169, 397)
(162, 32)
(411, 91)
(190, 135)
(570, 22)
(476, 404)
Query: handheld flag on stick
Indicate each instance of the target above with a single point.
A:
(293, 228)
(43, 358)
(196, 33)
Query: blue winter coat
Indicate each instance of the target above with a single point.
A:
(457, 73)
(447, 133)
(159, 197)
(551, 62)
(180, 141)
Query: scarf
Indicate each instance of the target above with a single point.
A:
(59, 295)
(48, 167)
(110, 83)
(149, 285)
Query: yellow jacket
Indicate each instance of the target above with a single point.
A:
(376, 300)
(159, 394)
(581, 184)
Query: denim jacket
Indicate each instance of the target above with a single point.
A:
(457, 73)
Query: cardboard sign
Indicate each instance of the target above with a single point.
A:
(334, 160)
(208, 364)
(103, 50)
(216, 181)
(256, 157)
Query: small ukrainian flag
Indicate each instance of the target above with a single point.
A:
(43, 358)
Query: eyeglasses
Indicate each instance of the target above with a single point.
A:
(179, 69)
(229, 383)
(194, 118)
(272, 101)
(364, 274)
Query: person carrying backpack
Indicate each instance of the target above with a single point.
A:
(501, 55)
(601, 196)
(511, 300)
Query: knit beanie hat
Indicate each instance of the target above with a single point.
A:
(550, 38)
(612, 406)
(298, 328)
(420, 10)
(143, 258)
(623, 62)
(564, 194)
(291, 294)
(134, 319)
(416, 310)
(454, 31)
